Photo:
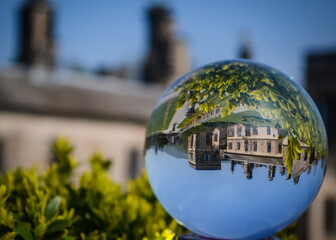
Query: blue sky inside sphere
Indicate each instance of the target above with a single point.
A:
(114, 33)
(224, 204)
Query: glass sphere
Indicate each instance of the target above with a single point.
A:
(235, 150)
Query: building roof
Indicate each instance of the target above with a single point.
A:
(76, 95)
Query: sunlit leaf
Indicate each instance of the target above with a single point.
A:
(24, 233)
(52, 207)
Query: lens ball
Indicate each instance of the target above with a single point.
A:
(235, 150)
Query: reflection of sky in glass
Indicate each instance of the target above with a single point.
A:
(219, 203)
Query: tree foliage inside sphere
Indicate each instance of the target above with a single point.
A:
(259, 88)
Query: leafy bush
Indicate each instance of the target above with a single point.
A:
(54, 205)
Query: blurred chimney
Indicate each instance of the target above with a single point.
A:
(245, 51)
(36, 47)
(167, 58)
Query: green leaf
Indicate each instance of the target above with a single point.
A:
(52, 207)
(2, 190)
(69, 238)
(57, 226)
(244, 88)
(24, 233)
(225, 67)
(8, 236)
(268, 81)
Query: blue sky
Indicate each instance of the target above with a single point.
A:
(219, 203)
(91, 33)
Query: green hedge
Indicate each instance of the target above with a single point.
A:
(58, 205)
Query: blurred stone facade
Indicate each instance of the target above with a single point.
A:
(319, 222)
(103, 112)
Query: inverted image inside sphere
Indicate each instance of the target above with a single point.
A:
(235, 150)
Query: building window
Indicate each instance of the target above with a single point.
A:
(255, 131)
(269, 147)
(279, 147)
(231, 132)
(238, 145)
(207, 157)
(174, 140)
(255, 146)
(133, 168)
(279, 131)
(305, 155)
(208, 140)
(216, 137)
(191, 141)
(246, 146)
(248, 131)
(330, 215)
(268, 130)
(299, 156)
(217, 110)
(230, 145)
(239, 131)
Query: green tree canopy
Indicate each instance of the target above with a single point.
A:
(261, 89)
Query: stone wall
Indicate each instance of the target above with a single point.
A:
(27, 140)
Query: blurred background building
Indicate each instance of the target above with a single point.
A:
(320, 219)
(44, 95)
(106, 112)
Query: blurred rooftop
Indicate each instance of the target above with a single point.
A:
(67, 93)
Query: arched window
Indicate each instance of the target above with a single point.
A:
(269, 147)
(268, 130)
(239, 131)
(248, 131)
(255, 146)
